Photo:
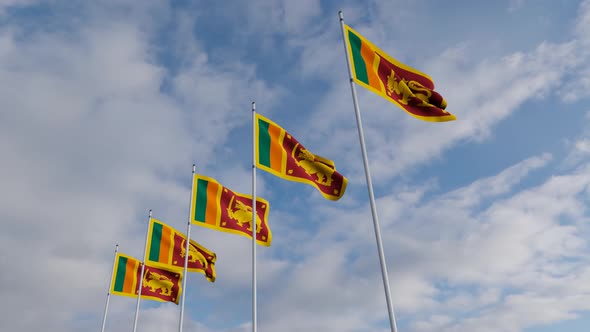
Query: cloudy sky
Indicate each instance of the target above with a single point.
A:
(105, 105)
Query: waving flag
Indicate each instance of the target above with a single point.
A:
(158, 284)
(217, 207)
(167, 247)
(408, 88)
(279, 153)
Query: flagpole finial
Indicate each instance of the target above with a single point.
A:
(150, 213)
(340, 15)
(253, 105)
(194, 168)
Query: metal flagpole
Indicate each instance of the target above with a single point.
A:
(186, 252)
(253, 222)
(369, 185)
(142, 271)
(106, 307)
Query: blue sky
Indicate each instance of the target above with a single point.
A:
(105, 105)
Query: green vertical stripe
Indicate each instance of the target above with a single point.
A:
(155, 245)
(201, 203)
(360, 67)
(263, 143)
(120, 276)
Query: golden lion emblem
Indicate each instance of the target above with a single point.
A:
(242, 214)
(193, 254)
(405, 89)
(312, 165)
(155, 281)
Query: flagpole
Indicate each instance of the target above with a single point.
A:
(142, 271)
(106, 307)
(187, 252)
(369, 185)
(253, 222)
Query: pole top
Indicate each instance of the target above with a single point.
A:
(253, 106)
(116, 247)
(340, 15)
(194, 168)
(150, 213)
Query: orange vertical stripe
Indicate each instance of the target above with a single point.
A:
(211, 212)
(165, 244)
(368, 55)
(276, 147)
(218, 205)
(283, 168)
(136, 270)
(376, 62)
(172, 243)
(130, 272)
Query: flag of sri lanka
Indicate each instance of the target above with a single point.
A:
(217, 207)
(167, 247)
(158, 283)
(403, 85)
(279, 153)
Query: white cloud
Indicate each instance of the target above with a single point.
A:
(579, 148)
(515, 5)
(89, 143)
(583, 146)
(496, 185)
